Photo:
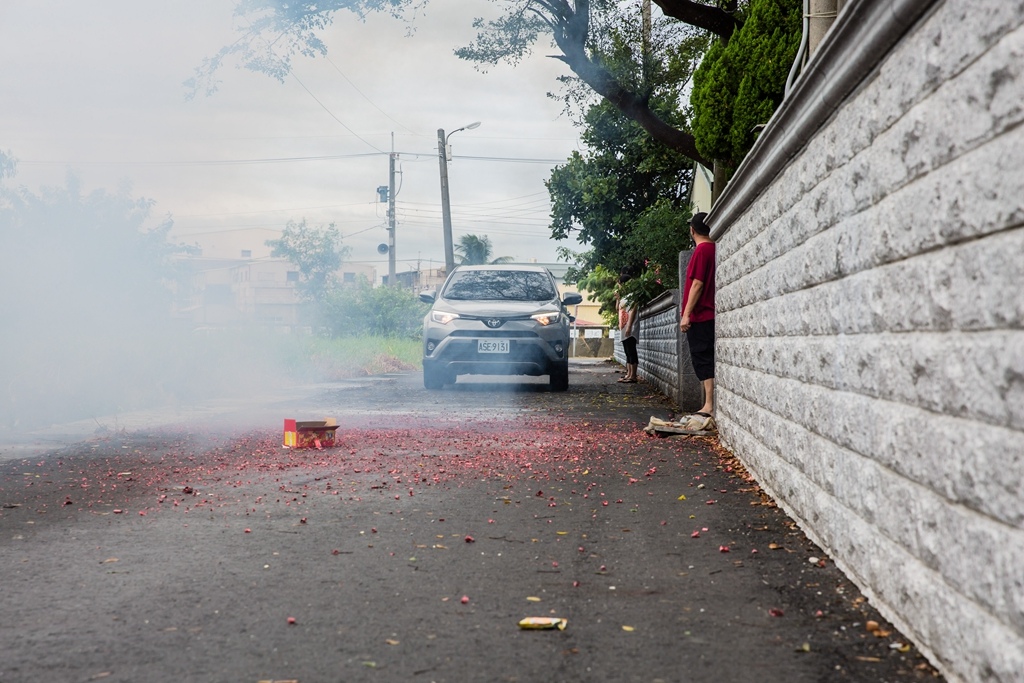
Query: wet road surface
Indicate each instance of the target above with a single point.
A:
(193, 547)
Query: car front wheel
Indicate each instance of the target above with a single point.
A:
(559, 378)
(433, 378)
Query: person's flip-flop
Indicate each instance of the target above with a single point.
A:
(703, 414)
(627, 381)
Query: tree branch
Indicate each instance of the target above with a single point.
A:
(572, 43)
(707, 17)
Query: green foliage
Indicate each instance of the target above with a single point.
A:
(275, 31)
(601, 283)
(474, 250)
(643, 288)
(598, 195)
(8, 165)
(661, 232)
(364, 310)
(616, 42)
(740, 83)
(316, 252)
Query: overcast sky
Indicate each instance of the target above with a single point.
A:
(96, 88)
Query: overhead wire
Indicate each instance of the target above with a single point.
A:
(363, 95)
(331, 114)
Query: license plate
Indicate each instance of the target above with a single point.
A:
(492, 346)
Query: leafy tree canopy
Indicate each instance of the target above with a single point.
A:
(273, 32)
(600, 195)
(276, 31)
(474, 250)
(8, 165)
(376, 311)
(601, 283)
(740, 83)
(316, 252)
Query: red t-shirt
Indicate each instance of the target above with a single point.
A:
(701, 267)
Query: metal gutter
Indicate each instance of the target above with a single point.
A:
(859, 40)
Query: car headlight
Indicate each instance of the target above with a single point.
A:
(443, 317)
(547, 318)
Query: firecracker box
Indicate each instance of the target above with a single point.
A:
(310, 433)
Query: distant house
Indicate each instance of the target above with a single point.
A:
(224, 292)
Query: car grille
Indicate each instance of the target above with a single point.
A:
(501, 334)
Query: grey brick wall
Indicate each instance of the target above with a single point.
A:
(658, 343)
(662, 351)
(870, 321)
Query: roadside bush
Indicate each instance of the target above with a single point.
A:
(364, 310)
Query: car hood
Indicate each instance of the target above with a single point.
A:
(506, 309)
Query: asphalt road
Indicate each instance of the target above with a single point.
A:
(193, 547)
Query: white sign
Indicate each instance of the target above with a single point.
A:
(593, 334)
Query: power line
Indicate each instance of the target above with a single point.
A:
(324, 106)
(203, 162)
(363, 95)
(295, 208)
(283, 160)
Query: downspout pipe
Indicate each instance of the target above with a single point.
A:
(800, 51)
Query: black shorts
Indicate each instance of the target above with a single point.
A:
(629, 348)
(701, 339)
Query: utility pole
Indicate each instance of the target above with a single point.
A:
(646, 13)
(646, 59)
(446, 205)
(391, 217)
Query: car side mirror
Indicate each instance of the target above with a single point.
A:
(572, 299)
(427, 297)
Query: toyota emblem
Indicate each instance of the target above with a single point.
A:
(494, 322)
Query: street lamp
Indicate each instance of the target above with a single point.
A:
(446, 206)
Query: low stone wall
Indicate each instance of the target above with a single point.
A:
(662, 351)
(658, 343)
(870, 319)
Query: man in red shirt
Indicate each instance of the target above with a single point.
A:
(698, 310)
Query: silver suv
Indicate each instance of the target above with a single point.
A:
(497, 320)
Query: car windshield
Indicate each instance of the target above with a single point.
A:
(500, 285)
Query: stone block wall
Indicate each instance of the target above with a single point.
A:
(657, 347)
(662, 351)
(870, 319)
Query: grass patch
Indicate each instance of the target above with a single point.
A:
(345, 357)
